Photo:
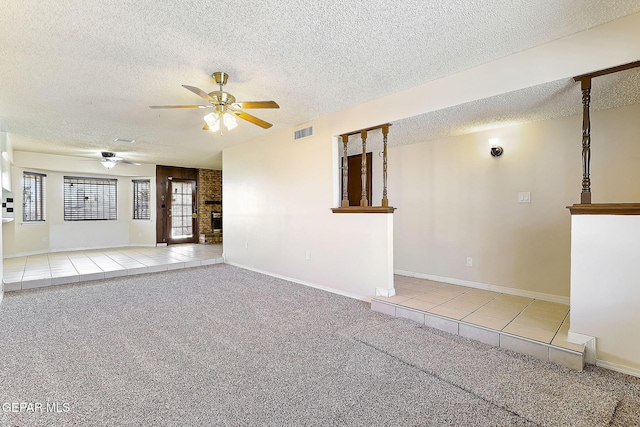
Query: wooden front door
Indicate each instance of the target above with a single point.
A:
(182, 208)
(354, 186)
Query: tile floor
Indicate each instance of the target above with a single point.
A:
(57, 268)
(536, 320)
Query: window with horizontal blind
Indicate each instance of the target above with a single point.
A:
(33, 196)
(141, 199)
(90, 199)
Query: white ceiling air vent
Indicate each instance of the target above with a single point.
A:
(303, 133)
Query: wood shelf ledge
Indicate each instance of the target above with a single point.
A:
(605, 209)
(364, 209)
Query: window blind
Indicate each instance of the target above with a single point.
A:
(90, 199)
(33, 196)
(141, 199)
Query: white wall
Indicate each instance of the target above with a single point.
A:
(55, 234)
(5, 173)
(456, 201)
(6, 160)
(605, 296)
(277, 199)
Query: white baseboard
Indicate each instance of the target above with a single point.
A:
(486, 286)
(588, 342)
(385, 292)
(301, 282)
(1, 294)
(618, 368)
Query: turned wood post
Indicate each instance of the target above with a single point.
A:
(363, 169)
(585, 86)
(385, 132)
(585, 196)
(365, 174)
(345, 172)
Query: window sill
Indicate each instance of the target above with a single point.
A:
(365, 209)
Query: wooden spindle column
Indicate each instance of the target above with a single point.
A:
(585, 86)
(345, 172)
(585, 196)
(363, 169)
(385, 132)
(364, 200)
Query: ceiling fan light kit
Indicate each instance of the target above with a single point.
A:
(213, 121)
(229, 121)
(226, 106)
(108, 163)
(109, 160)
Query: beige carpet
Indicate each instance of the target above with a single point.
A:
(219, 345)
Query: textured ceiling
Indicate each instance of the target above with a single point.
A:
(77, 74)
(551, 100)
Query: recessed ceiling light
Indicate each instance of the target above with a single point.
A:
(130, 141)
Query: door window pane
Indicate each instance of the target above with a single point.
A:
(181, 209)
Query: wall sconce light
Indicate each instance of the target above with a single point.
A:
(496, 149)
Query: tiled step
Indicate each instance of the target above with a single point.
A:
(572, 357)
(61, 268)
(52, 279)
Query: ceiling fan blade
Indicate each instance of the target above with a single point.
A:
(179, 106)
(126, 162)
(202, 94)
(257, 104)
(253, 119)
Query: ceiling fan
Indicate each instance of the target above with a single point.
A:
(226, 107)
(110, 159)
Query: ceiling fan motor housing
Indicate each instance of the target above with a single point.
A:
(223, 99)
(220, 77)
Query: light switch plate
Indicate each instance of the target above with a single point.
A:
(524, 197)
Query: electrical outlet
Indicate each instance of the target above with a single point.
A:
(469, 261)
(524, 197)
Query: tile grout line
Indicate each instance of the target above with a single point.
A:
(514, 318)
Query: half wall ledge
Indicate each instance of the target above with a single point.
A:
(605, 209)
(369, 209)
